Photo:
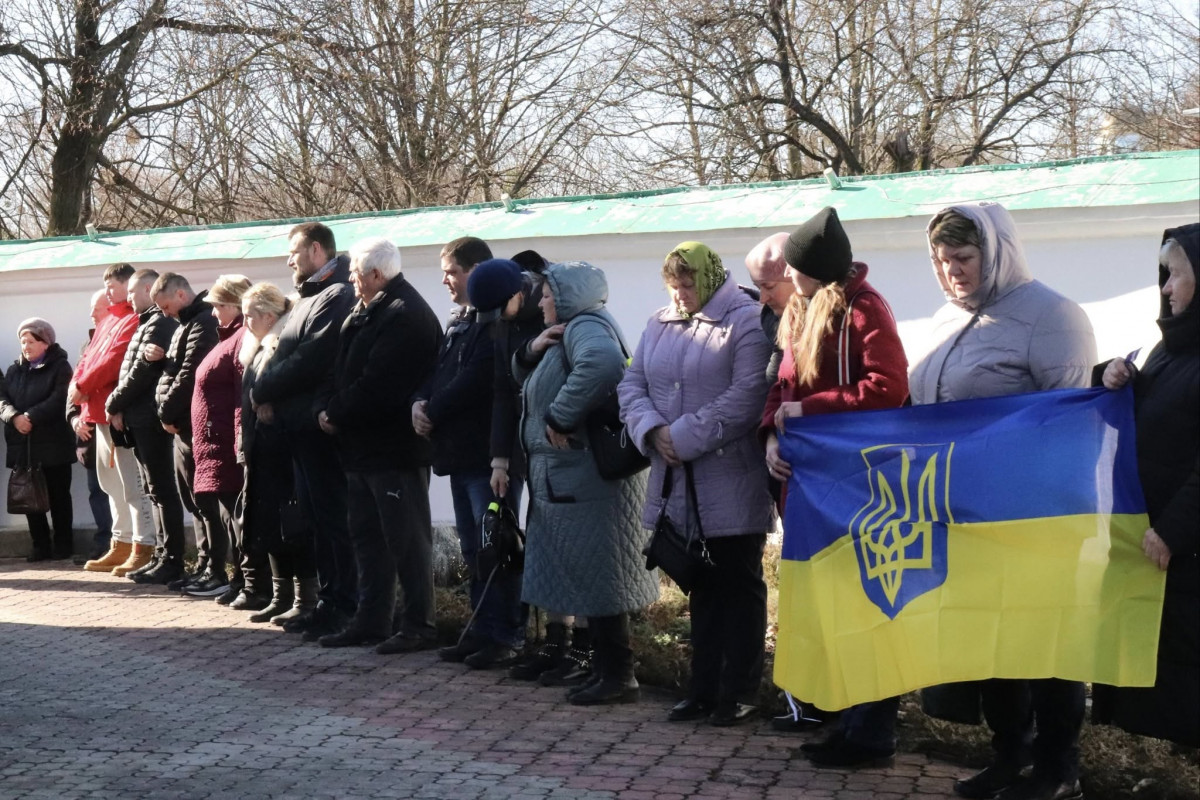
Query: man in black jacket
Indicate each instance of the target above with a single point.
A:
(454, 410)
(387, 349)
(286, 392)
(195, 337)
(132, 411)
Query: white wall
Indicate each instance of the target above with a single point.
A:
(1104, 259)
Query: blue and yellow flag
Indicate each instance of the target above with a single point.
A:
(977, 539)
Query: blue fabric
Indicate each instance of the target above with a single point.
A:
(502, 616)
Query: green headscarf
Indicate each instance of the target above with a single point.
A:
(709, 272)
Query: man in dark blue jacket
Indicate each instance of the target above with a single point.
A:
(454, 409)
(285, 392)
(387, 349)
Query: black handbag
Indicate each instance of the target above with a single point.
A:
(686, 560)
(27, 492)
(616, 456)
(502, 542)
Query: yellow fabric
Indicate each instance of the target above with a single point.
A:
(1069, 597)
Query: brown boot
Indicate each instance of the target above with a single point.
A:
(139, 557)
(116, 555)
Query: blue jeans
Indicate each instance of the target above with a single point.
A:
(501, 616)
(101, 512)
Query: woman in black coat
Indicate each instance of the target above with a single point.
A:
(1167, 411)
(33, 396)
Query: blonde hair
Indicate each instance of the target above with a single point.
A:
(228, 289)
(805, 323)
(265, 298)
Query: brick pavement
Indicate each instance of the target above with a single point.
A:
(112, 690)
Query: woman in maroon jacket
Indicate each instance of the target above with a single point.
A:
(216, 412)
(841, 352)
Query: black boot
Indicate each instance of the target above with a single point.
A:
(546, 657)
(575, 667)
(617, 683)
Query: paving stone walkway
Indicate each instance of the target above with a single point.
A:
(111, 690)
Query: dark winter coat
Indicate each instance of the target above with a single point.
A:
(308, 347)
(460, 396)
(1167, 409)
(216, 415)
(387, 351)
(40, 392)
(138, 381)
(192, 341)
(509, 338)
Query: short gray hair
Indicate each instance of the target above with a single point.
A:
(378, 254)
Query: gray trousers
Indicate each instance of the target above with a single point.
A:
(392, 536)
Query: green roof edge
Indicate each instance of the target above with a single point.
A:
(533, 201)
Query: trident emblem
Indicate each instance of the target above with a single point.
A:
(900, 534)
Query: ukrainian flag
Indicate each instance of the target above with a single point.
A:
(977, 539)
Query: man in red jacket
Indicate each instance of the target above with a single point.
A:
(95, 377)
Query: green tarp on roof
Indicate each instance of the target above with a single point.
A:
(1126, 180)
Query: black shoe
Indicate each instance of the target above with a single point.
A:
(1036, 788)
(149, 566)
(689, 710)
(327, 624)
(249, 601)
(168, 569)
(833, 741)
(988, 782)
(232, 590)
(592, 679)
(39, 554)
(491, 656)
(545, 658)
(350, 636)
(728, 714)
(183, 581)
(609, 691)
(64, 551)
(210, 584)
(574, 668)
(405, 643)
(849, 755)
(464, 647)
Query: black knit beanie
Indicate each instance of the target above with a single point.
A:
(819, 248)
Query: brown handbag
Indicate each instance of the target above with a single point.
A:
(27, 492)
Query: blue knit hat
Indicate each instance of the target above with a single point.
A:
(491, 284)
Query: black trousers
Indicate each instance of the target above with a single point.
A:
(393, 540)
(729, 622)
(58, 487)
(154, 450)
(210, 533)
(321, 492)
(269, 485)
(221, 509)
(1011, 708)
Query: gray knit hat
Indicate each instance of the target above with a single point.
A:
(38, 327)
(820, 248)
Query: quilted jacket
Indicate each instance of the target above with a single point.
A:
(705, 378)
(1011, 335)
(134, 395)
(216, 415)
(195, 337)
(584, 548)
